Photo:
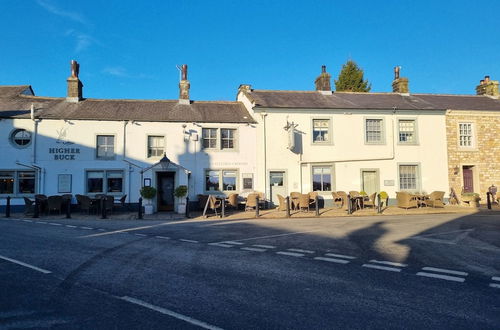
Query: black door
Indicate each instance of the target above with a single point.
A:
(165, 191)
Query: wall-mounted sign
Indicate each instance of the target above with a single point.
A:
(247, 181)
(64, 183)
(64, 153)
(388, 182)
(147, 182)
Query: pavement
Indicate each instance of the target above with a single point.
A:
(391, 272)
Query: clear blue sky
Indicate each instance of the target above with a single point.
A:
(129, 49)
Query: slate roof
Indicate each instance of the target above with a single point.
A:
(346, 100)
(15, 104)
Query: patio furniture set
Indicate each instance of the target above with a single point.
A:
(59, 203)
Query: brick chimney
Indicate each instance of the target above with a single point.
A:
(74, 84)
(323, 81)
(184, 86)
(399, 84)
(487, 87)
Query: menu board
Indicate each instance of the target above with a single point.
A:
(64, 183)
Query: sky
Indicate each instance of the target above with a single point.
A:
(130, 49)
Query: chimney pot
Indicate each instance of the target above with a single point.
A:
(184, 86)
(75, 86)
(488, 87)
(323, 81)
(486, 79)
(399, 84)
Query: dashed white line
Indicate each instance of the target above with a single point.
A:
(54, 224)
(42, 222)
(221, 245)
(390, 269)
(253, 249)
(442, 277)
(101, 229)
(339, 255)
(447, 271)
(232, 242)
(41, 270)
(495, 285)
(89, 228)
(27, 220)
(300, 250)
(162, 237)
(338, 261)
(264, 246)
(70, 226)
(390, 263)
(292, 254)
(188, 240)
(495, 278)
(170, 313)
(141, 235)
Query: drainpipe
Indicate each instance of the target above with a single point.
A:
(124, 156)
(264, 115)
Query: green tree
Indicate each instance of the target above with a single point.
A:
(351, 79)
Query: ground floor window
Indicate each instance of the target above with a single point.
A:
(104, 181)
(408, 177)
(17, 182)
(221, 180)
(322, 178)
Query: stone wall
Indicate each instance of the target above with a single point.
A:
(484, 155)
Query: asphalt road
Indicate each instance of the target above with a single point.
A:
(374, 272)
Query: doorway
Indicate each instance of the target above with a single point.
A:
(276, 186)
(165, 183)
(468, 177)
(370, 182)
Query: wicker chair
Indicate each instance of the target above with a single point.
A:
(54, 203)
(406, 200)
(371, 202)
(338, 201)
(384, 198)
(312, 197)
(251, 201)
(304, 202)
(343, 195)
(84, 203)
(29, 206)
(357, 196)
(295, 196)
(232, 201)
(435, 199)
(282, 200)
(121, 203)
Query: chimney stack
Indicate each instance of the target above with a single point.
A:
(74, 84)
(399, 84)
(184, 86)
(488, 87)
(323, 81)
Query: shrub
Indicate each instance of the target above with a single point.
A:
(180, 191)
(148, 192)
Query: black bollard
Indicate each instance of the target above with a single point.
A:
(287, 200)
(139, 216)
(316, 205)
(7, 208)
(68, 208)
(36, 211)
(488, 199)
(223, 206)
(257, 207)
(103, 208)
(187, 207)
(349, 204)
(379, 206)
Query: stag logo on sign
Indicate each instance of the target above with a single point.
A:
(63, 153)
(61, 136)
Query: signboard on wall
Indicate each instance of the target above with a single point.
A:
(64, 183)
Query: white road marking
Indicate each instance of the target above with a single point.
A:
(441, 270)
(292, 254)
(390, 269)
(188, 240)
(232, 242)
(495, 278)
(253, 249)
(87, 228)
(70, 226)
(101, 229)
(443, 277)
(170, 313)
(41, 270)
(54, 224)
(338, 261)
(141, 235)
(390, 263)
(339, 255)
(27, 221)
(264, 246)
(495, 285)
(221, 245)
(300, 250)
(162, 237)
(43, 222)
(279, 235)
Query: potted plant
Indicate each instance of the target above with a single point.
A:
(148, 193)
(471, 198)
(180, 192)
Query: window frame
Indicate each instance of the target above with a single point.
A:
(105, 181)
(415, 131)
(147, 145)
(218, 139)
(15, 186)
(96, 154)
(330, 131)
(473, 145)
(382, 131)
(221, 180)
(14, 132)
(418, 178)
(332, 176)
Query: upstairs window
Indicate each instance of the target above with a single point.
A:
(227, 138)
(465, 135)
(105, 148)
(407, 131)
(374, 131)
(156, 146)
(209, 136)
(20, 138)
(321, 128)
(219, 138)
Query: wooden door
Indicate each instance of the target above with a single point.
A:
(468, 179)
(165, 191)
(370, 183)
